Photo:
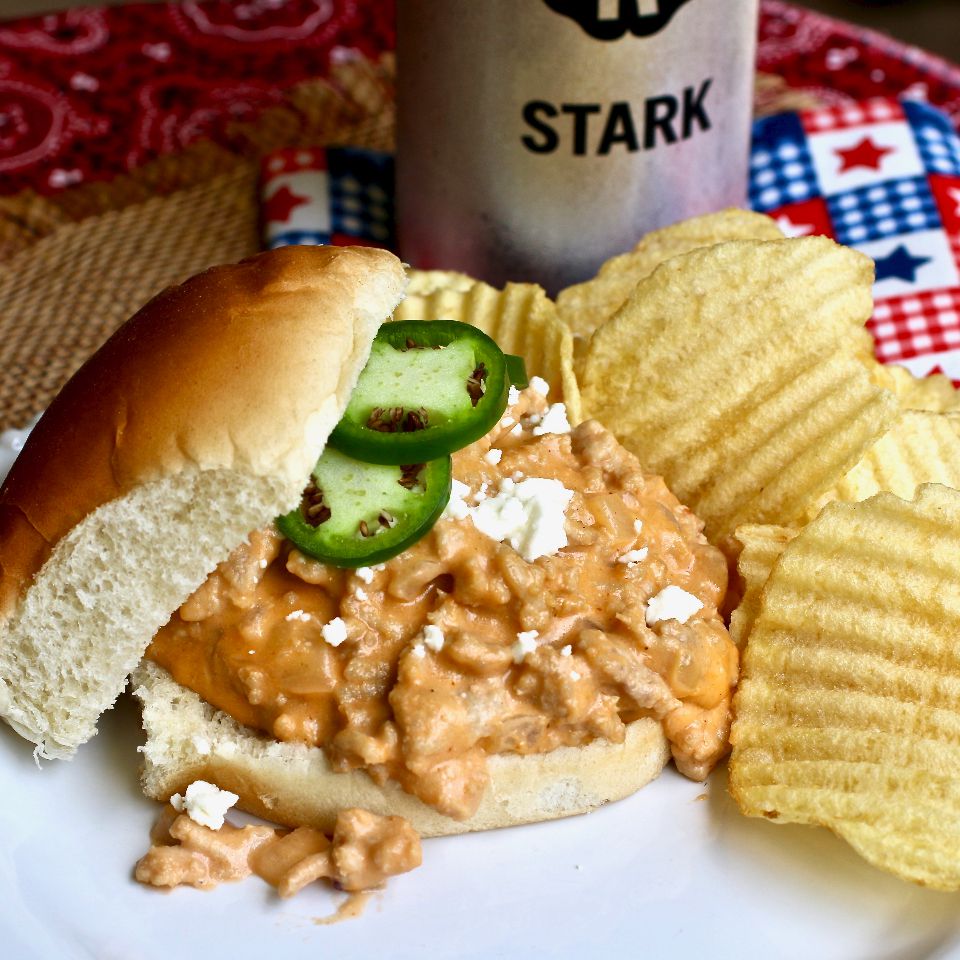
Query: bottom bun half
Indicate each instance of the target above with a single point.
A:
(293, 784)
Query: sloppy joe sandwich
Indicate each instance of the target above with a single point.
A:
(460, 608)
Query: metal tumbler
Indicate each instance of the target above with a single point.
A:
(536, 138)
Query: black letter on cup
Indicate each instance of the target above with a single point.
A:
(693, 109)
(580, 113)
(530, 115)
(657, 119)
(619, 129)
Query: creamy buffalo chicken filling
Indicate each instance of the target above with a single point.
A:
(563, 594)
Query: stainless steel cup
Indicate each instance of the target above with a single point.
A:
(536, 138)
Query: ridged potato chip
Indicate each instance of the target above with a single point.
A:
(848, 711)
(921, 447)
(731, 372)
(521, 318)
(935, 393)
(761, 546)
(585, 306)
(424, 282)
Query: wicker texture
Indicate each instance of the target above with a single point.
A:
(62, 297)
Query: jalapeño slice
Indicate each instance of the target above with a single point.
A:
(429, 388)
(517, 371)
(356, 514)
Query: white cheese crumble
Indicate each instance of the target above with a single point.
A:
(566, 651)
(492, 456)
(513, 395)
(526, 643)
(204, 803)
(516, 431)
(418, 651)
(574, 675)
(456, 508)
(672, 603)
(360, 594)
(334, 632)
(632, 557)
(637, 526)
(528, 515)
(539, 385)
(365, 574)
(300, 615)
(553, 421)
(433, 637)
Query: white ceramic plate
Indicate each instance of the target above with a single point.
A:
(673, 871)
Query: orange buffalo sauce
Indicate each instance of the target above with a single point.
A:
(419, 669)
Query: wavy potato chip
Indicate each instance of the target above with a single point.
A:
(731, 371)
(761, 546)
(921, 447)
(848, 711)
(521, 318)
(935, 393)
(585, 306)
(424, 282)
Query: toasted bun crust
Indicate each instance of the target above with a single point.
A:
(292, 784)
(197, 421)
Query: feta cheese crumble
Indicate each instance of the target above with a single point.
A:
(418, 651)
(539, 385)
(632, 557)
(300, 615)
(334, 632)
(456, 508)
(513, 395)
(433, 637)
(672, 603)
(526, 643)
(553, 421)
(360, 594)
(365, 574)
(204, 803)
(528, 515)
(566, 651)
(493, 456)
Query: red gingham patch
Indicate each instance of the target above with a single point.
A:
(852, 115)
(914, 325)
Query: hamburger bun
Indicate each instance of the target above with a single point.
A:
(198, 421)
(293, 784)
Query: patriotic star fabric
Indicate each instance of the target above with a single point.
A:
(340, 195)
(882, 176)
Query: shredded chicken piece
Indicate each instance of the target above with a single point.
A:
(366, 849)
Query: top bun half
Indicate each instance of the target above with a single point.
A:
(198, 421)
